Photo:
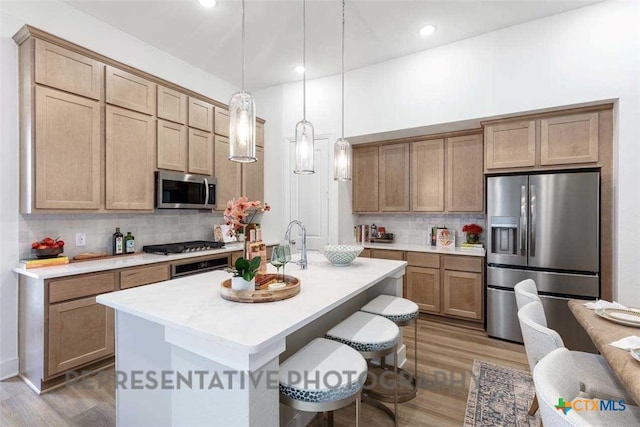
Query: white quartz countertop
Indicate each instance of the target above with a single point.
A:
(112, 263)
(193, 304)
(425, 248)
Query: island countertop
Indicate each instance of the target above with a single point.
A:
(193, 304)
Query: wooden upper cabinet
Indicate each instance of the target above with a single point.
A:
(259, 134)
(66, 70)
(228, 173)
(200, 152)
(130, 91)
(465, 180)
(427, 176)
(79, 332)
(569, 139)
(462, 294)
(172, 105)
(172, 146)
(200, 115)
(394, 178)
(130, 158)
(67, 151)
(510, 145)
(222, 121)
(365, 179)
(253, 177)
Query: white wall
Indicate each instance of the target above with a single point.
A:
(66, 22)
(589, 54)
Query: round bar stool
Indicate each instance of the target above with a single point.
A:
(323, 376)
(402, 312)
(373, 337)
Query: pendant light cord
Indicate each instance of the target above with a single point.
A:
(242, 45)
(304, 60)
(343, 69)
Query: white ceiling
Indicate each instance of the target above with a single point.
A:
(376, 30)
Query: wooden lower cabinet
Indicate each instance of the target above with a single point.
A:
(462, 294)
(80, 332)
(423, 288)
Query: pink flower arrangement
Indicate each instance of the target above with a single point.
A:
(236, 212)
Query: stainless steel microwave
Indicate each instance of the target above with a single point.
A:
(184, 191)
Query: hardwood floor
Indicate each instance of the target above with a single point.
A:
(446, 355)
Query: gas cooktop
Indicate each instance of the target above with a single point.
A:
(178, 248)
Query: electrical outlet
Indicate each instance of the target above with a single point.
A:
(81, 239)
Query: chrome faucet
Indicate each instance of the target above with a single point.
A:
(303, 250)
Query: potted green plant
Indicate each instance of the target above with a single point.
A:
(244, 274)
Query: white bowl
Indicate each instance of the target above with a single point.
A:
(341, 255)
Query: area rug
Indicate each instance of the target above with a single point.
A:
(499, 396)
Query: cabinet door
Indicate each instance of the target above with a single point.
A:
(423, 288)
(200, 152)
(569, 139)
(172, 146)
(80, 332)
(427, 176)
(130, 160)
(67, 151)
(227, 172)
(222, 121)
(465, 180)
(365, 179)
(69, 71)
(259, 134)
(510, 145)
(200, 115)
(172, 105)
(462, 294)
(253, 177)
(394, 178)
(129, 91)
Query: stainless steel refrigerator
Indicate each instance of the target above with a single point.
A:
(545, 227)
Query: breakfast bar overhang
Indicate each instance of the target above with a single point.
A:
(187, 357)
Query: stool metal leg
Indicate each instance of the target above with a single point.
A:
(330, 418)
(395, 390)
(358, 399)
(415, 350)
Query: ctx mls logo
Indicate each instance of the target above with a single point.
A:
(582, 405)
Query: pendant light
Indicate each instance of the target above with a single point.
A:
(304, 129)
(242, 120)
(342, 148)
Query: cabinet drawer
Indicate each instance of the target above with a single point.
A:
(366, 253)
(463, 263)
(83, 286)
(143, 276)
(420, 259)
(387, 254)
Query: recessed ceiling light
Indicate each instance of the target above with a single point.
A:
(299, 69)
(207, 3)
(427, 30)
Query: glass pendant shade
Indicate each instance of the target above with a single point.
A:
(342, 160)
(304, 148)
(242, 128)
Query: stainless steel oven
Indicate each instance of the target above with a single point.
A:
(185, 191)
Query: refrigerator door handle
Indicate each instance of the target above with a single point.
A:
(522, 240)
(532, 206)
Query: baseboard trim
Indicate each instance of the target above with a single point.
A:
(9, 368)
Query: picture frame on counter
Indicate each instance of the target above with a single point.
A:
(445, 238)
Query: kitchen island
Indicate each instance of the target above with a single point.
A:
(187, 357)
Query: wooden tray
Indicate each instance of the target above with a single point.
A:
(263, 294)
(381, 240)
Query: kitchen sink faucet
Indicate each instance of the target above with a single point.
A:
(303, 250)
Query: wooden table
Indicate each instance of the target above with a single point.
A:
(602, 332)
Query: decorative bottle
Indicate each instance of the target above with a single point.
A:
(118, 242)
(129, 243)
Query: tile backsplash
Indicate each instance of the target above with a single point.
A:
(163, 226)
(415, 228)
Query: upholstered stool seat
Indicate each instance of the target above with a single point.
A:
(374, 337)
(402, 312)
(324, 375)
